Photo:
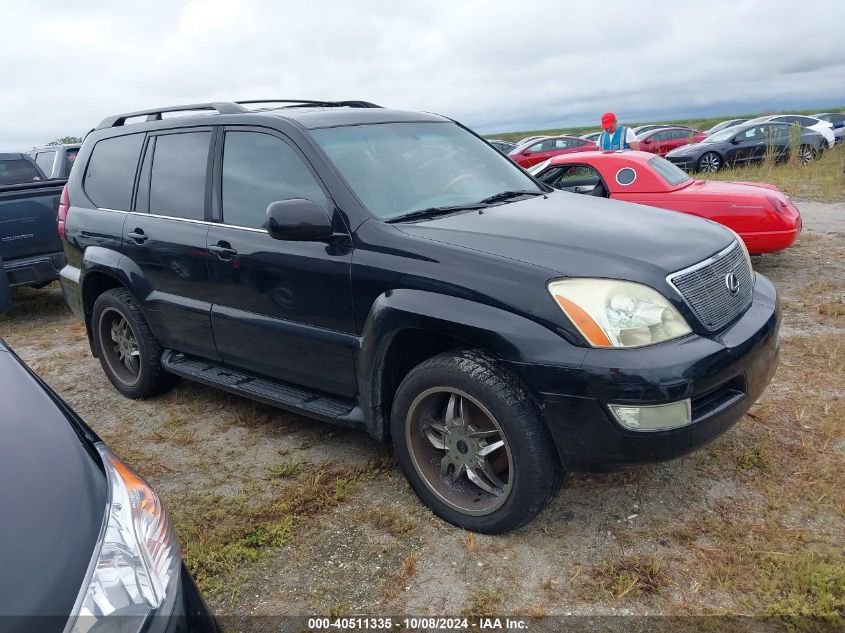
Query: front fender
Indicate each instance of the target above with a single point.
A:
(505, 335)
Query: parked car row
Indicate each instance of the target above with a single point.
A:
(829, 127)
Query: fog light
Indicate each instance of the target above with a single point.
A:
(658, 417)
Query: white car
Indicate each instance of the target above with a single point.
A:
(825, 128)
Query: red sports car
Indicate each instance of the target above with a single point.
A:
(764, 216)
(537, 150)
(663, 140)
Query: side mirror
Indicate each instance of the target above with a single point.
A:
(5, 291)
(297, 220)
(527, 152)
(735, 141)
(647, 141)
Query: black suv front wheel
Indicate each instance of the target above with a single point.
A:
(128, 351)
(472, 443)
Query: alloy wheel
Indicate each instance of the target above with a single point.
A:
(709, 163)
(120, 346)
(459, 450)
(805, 155)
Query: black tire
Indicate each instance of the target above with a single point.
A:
(534, 469)
(807, 154)
(150, 378)
(709, 163)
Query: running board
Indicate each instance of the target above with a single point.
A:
(266, 390)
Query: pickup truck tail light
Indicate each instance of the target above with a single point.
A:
(64, 205)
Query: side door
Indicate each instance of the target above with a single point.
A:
(748, 146)
(165, 237)
(675, 139)
(281, 308)
(538, 152)
(655, 141)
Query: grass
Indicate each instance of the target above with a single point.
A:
(822, 179)
(221, 532)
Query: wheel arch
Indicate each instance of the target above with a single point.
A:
(406, 327)
(104, 269)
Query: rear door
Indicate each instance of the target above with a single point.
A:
(281, 308)
(165, 237)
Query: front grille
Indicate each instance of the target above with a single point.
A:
(704, 287)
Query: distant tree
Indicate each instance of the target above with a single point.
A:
(66, 140)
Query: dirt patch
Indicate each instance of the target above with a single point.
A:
(279, 514)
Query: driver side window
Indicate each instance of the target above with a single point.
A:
(259, 169)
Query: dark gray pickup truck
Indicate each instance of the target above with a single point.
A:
(30, 248)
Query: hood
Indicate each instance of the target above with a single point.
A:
(575, 235)
(53, 494)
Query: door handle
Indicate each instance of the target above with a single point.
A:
(138, 235)
(223, 250)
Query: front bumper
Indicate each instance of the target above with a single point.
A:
(723, 375)
(687, 163)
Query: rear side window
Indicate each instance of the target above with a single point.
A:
(16, 171)
(177, 181)
(111, 171)
(259, 169)
(45, 161)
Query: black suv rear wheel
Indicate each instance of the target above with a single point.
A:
(472, 443)
(128, 351)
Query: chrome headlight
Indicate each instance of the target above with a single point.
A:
(611, 313)
(136, 562)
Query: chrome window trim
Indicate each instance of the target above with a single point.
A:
(189, 220)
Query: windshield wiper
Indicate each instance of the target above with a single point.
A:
(433, 212)
(507, 195)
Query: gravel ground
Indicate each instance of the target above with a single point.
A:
(676, 538)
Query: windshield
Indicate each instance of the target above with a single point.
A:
(670, 172)
(399, 168)
(721, 136)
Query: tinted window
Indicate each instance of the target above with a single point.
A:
(805, 121)
(45, 161)
(259, 169)
(626, 176)
(16, 171)
(670, 172)
(111, 171)
(661, 136)
(177, 181)
(70, 159)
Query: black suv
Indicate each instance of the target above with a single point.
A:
(392, 271)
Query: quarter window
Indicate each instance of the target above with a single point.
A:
(626, 176)
(111, 171)
(177, 180)
(259, 169)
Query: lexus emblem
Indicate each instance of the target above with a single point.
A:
(731, 283)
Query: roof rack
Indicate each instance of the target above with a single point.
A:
(226, 107)
(304, 103)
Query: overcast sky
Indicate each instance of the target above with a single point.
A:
(494, 65)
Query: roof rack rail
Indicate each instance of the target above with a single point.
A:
(154, 114)
(226, 107)
(309, 102)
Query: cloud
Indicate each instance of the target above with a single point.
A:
(492, 65)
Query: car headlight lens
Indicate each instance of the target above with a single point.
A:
(611, 313)
(137, 557)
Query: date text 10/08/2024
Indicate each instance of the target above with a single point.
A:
(422, 623)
